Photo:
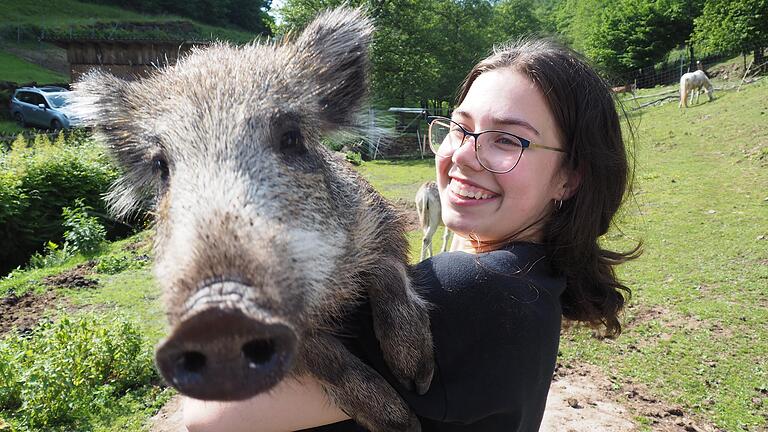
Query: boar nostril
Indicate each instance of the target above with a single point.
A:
(259, 351)
(192, 361)
(221, 353)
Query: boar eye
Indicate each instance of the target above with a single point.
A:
(160, 166)
(292, 142)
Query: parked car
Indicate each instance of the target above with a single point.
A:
(44, 107)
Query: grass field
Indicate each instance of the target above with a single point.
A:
(695, 332)
(19, 70)
(62, 14)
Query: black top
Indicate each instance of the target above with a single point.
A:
(496, 328)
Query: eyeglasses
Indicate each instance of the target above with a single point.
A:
(497, 151)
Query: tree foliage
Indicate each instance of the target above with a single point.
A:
(422, 49)
(632, 34)
(733, 25)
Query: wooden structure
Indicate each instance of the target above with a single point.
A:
(127, 59)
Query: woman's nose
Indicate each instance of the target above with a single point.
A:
(465, 155)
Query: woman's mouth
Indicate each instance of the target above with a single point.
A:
(467, 191)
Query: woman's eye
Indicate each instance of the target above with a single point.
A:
(509, 140)
(456, 132)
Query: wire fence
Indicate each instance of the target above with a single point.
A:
(669, 72)
(732, 83)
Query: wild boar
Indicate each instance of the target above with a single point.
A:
(264, 239)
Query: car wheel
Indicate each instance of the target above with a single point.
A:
(19, 119)
(55, 124)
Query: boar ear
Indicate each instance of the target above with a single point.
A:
(102, 101)
(98, 99)
(334, 50)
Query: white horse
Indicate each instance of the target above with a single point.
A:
(692, 83)
(428, 207)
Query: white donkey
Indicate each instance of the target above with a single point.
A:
(692, 83)
(428, 207)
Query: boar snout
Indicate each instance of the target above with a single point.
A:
(221, 350)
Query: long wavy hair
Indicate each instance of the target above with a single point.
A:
(584, 110)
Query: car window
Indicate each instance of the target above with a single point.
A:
(23, 97)
(37, 99)
(58, 100)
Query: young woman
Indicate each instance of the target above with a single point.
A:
(531, 169)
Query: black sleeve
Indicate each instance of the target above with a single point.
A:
(495, 323)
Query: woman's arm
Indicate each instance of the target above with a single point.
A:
(293, 404)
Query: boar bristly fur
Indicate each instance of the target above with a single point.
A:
(264, 239)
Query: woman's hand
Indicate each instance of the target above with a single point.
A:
(293, 404)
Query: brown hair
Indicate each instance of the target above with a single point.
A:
(584, 110)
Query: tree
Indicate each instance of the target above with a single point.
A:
(576, 20)
(422, 49)
(632, 34)
(734, 26)
(405, 69)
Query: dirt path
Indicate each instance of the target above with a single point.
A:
(581, 399)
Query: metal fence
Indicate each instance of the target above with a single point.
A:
(669, 72)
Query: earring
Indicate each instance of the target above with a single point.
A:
(558, 205)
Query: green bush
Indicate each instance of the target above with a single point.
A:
(116, 263)
(84, 233)
(354, 158)
(64, 373)
(333, 144)
(53, 255)
(37, 182)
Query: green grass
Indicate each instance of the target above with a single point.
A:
(18, 70)
(398, 180)
(64, 12)
(60, 15)
(9, 127)
(701, 209)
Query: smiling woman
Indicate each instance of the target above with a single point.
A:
(517, 184)
(531, 169)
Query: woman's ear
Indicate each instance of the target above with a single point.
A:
(570, 181)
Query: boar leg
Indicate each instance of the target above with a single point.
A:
(357, 389)
(401, 324)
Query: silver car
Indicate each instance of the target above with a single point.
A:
(44, 107)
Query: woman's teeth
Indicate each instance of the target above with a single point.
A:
(468, 192)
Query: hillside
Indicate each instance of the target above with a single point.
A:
(70, 16)
(24, 58)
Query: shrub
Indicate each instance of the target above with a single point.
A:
(37, 182)
(84, 233)
(354, 158)
(52, 256)
(333, 144)
(121, 261)
(63, 373)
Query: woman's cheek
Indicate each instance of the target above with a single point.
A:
(442, 166)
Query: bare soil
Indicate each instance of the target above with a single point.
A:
(24, 311)
(169, 418)
(582, 399)
(76, 278)
(408, 209)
